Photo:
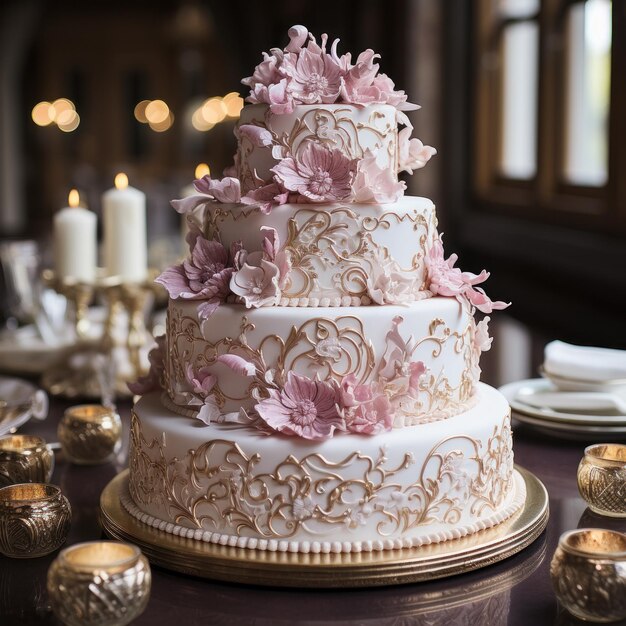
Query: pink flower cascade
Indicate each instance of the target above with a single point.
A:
(366, 408)
(447, 280)
(205, 275)
(306, 73)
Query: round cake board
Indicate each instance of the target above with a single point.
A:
(363, 569)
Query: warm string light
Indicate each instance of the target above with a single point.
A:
(121, 181)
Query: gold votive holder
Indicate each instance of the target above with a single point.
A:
(588, 574)
(602, 479)
(90, 434)
(99, 582)
(34, 519)
(25, 459)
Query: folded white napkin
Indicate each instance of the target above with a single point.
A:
(595, 364)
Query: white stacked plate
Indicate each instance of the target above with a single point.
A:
(587, 409)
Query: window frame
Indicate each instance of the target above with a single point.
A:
(553, 247)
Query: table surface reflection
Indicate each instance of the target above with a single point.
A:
(514, 592)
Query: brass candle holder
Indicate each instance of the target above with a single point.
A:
(25, 459)
(78, 293)
(90, 434)
(588, 574)
(602, 479)
(119, 297)
(100, 582)
(34, 519)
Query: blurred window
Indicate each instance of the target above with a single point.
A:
(550, 141)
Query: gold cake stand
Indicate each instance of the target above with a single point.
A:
(364, 569)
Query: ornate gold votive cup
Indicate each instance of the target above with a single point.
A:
(602, 479)
(34, 519)
(90, 434)
(588, 574)
(25, 459)
(99, 582)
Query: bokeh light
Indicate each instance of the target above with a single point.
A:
(40, 114)
(140, 111)
(202, 169)
(157, 112)
(234, 103)
(213, 111)
(166, 124)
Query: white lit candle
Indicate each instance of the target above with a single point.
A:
(75, 242)
(125, 242)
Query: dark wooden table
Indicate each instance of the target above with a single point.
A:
(514, 592)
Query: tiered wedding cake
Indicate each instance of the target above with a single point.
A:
(318, 385)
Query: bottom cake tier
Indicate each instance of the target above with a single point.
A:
(413, 486)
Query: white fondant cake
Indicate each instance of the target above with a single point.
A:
(318, 385)
(328, 344)
(232, 485)
(340, 253)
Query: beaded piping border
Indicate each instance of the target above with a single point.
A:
(325, 547)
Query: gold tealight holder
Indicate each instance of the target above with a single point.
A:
(90, 434)
(25, 459)
(34, 519)
(602, 479)
(100, 582)
(588, 574)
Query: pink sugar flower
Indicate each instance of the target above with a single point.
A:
(373, 183)
(257, 282)
(258, 136)
(367, 409)
(205, 275)
(314, 76)
(447, 280)
(412, 153)
(318, 173)
(266, 197)
(303, 407)
(389, 95)
(276, 95)
(266, 72)
(482, 340)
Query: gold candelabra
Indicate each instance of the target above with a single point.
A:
(119, 297)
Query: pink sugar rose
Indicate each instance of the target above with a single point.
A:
(257, 282)
(266, 197)
(447, 280)
(318, 173)
(205, 275)
(276, 95)
(389, 95)
(303, 407)
(373, 183)
(202, 381)
(412, 153)
(152, 380)
(314, 76)
(266, 72)
(226, 190)
(258, 136)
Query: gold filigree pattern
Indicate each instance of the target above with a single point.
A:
(220, 487)
(334, 127)
(329, 349)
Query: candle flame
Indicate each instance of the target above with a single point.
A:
(202, 169)
(74, 198)
(121, 181)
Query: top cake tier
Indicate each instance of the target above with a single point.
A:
(353, 132)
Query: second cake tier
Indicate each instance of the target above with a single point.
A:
(423, 357)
